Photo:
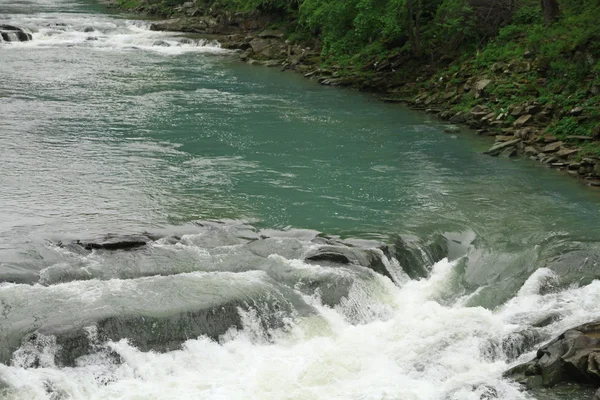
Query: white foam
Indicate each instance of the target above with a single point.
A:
(418, 349)
(105, 34)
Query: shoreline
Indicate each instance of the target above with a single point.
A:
(516, 131)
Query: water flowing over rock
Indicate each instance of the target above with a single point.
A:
(114, 242)
(193, 264)
(572, 357)
(10, 33)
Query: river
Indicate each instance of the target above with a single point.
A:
(237, 175)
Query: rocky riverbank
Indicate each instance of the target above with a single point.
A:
(518, 130)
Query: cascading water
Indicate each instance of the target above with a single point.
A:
(129, 159)
(102, 34)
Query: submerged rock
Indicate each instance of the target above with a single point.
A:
(115, 243)
(11, 33)
(368, 258)
(518, 343)
(161, 43)
(572, 357)
(156, 313)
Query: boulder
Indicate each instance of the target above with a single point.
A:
(167, 25)
(509, 152)
(498, 148)
(572, 357)
(531, 151)
(479, 109)
(267, 48)
(458, 118)
(332, 255)
(246, 54)
(417, 257)
(565, 153)
(114, 243)
(521, 342)
(11, 33)
(523, 120)
(552, 147)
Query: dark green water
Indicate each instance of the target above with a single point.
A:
(121, 135)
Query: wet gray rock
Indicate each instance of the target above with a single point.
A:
(416, 257)
(115, 242)
(521, 342)
(11, 33)
(147, 316)
(161, 43)
(368, 258)
(572, 357)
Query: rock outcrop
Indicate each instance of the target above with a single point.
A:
(572, 357)
(11, 33)
(343, 254)
(113, 242)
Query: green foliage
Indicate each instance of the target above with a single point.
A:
(567, 126)
(453, 26)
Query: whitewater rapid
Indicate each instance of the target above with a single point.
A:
(104, 34)
(412, 341)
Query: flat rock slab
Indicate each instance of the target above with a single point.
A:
(523, 120)
(497, 148)
(552, 147)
